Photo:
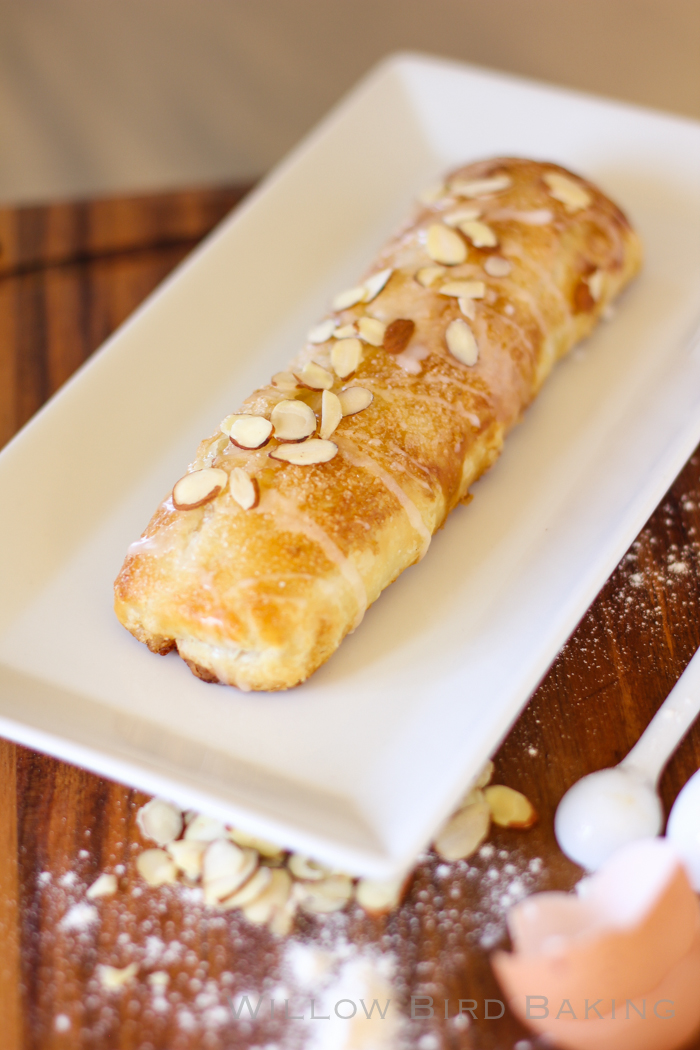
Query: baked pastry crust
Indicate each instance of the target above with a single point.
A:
(260, 598)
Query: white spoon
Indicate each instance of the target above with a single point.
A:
(607, 809)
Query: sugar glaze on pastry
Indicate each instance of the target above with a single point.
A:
(287, 526)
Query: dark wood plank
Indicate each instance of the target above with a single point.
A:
(65, 291)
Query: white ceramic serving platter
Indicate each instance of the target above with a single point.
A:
(359, 765)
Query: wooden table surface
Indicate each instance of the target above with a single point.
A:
(69, 274)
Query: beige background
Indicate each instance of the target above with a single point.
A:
(102, 96)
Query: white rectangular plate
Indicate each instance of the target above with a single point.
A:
(359, 765)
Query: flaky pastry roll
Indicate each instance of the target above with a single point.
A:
(331, 480)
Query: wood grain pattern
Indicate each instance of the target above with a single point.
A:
(72, 273)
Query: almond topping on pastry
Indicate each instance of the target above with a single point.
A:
(480, 187)
(293, 420)
(322, 332)
(432, 193)
(497, 266)
(250, 431)
(456, 218)
(571, 194)
(371, 331)
(428, 275)
(315, 377)
(350, 297)
(595, 283)
(461, 342)
(346, 332)
(375, 283)
(307, 453)
(244, 489)
(509, 808)
(346, 355)
(481, 235)
(331, 413)
(283, 381)
(468, 308)
(444, 245)
(464, 289)
(398, 334)
(355, 399)
(198, 487)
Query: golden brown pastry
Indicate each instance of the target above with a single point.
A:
(289, 524)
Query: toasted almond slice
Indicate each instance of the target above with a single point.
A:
(468, 308)
(325, 896)
(160, 821)
(293, 420)
(444, 245)
(346, 355)
(398, 335)
(217, 446)
(485, 775)
(346, 332)
(226, 424)
(480, 187)
(282, 919)
(202, 828)
(225, 868)
(572, 194)
(432, 193)
(464, 832)
(371, 330)
(351, 296)
(428, 275)
(375, 284)
(322, 332)
(188, 855)
(475, 794)
(355, 399)
(481, 235)
(250, 890)
(244, 489)
(464, 289)
(379, 897)
(497, 266)
(251, 432)
(274, 897)
(331, 413)
(105, 885)
(159, 980)
(306, 868)
(306, 453)
(198, 487)
(461, 215)
(264, 847)
(283, 381)
(315, 376)
(156, 867)
(509, 808)
(112, 978)
(461, 342)
(595, 283)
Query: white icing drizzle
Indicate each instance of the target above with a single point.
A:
(289, 517)
(361, 459)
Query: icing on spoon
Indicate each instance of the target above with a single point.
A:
(607, 809)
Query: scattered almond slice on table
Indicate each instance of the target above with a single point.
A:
(159, 821)
(156, 867)
(510, 808)
(112, 978)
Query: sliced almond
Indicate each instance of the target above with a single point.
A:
(461, 342)
(251, 432)
(284, 381)
(226, 424)
(293, 420)
(156, 867)
(274, 897)
(105, 885)
(596, 282)
(572, 194)
(198, 487)
(188, 855)
(375, 284)
(497, 266)
(428, 275)
(322, 332)
(346, 355)
(215, 448)
(464, 289)
(202, 828)
(432, 193)
(315, 376)
(444, 245)
(225, 868)
(351, 296)
(468, 308)
(264, 847)
(485, 775)
(112, 978)
(306, 453)
(244, 489)
(250, 890)
(379, 897)
(509, 808)
(355, 399)
(331, 413)
(371, 331)
(306, 868)
(481, 235)
(159, 980)
(480, 187)
(398, 335)
(346, 332)
(454, 218)
(160, 821)
(282, 919)
(464, 832)
(325, 896)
